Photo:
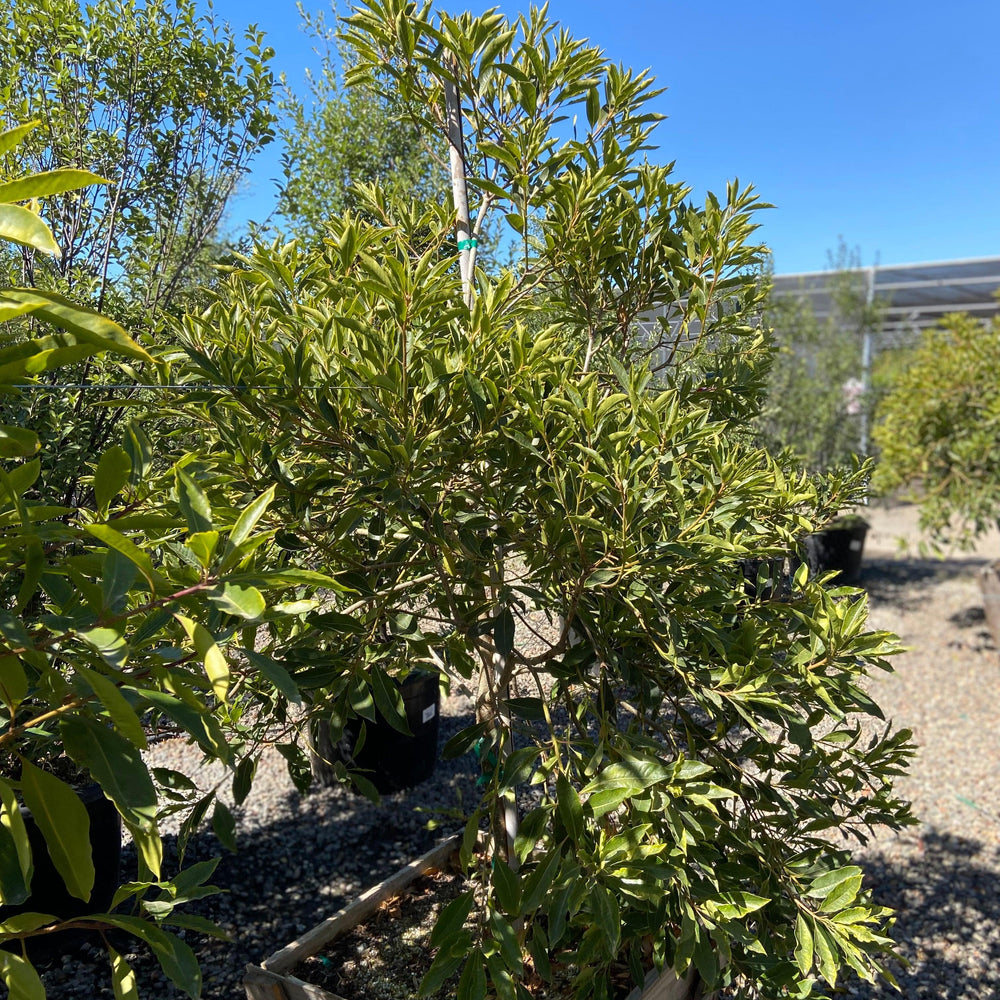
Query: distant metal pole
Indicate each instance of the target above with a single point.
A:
(866, 360)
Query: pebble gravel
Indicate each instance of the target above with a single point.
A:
(301, 858)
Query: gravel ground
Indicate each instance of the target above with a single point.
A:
(943, 876)
(300, 859)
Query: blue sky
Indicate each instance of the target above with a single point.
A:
(878, 122)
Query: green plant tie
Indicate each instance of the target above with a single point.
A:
(467, 244)
(488, 762)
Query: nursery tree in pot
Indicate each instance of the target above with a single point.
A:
(937, 434)
(467, 453)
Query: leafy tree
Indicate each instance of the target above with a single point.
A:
(165, 104)
(342, 137)
(816, 403)
(116, 617)
(461, 470)
(937, 429)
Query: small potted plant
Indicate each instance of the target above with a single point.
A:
(838, 548)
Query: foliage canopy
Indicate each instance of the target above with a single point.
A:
(938, 428)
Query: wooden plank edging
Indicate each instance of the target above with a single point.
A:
(271, 979)
(363, 907)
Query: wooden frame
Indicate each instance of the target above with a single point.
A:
(272, 979)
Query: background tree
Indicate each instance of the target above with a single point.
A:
(168, 106)
(339, 137)
(938, 429)
(817, 405)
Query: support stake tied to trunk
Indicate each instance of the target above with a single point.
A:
(459, 187)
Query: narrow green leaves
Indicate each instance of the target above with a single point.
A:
(47, 183)
(803, 945)
(116, 765)
(110, 477)
(23, 983)
(122, 714)
(22, 226)
(17, 442)
(63, 821)
(15, 854)
(216, 666)
(176, 958)
(117, 541)
(193, 502)
(122, 977)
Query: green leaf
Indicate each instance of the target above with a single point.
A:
(233, 599)
(150, 851)
(24, 227)
(201, 725)
(503, 934)
(451, 920)
(507, 887)
(117, 541)
(446, 961)
(17, 442)
(472, 983)
(116, 765)
(388, 699)
(734, 905)
(243, 779)
(247, 521)
(12, 137)
(607, 917)
(177, 960)
(216, 667)
(194, 503)
(25, 923)
(122, 977)
(503, 632)
(63, 821)
(23, 983)
(224, 826)
(46, 183)
(536, 885)
(842, 894)
(15, 852)
(826, 954)
(276, 673)
(463, 741)
(202, 544)
(13, 682)
(119, 575)
(821, 886)
(116, 704)
(111, 476)
(518, 766)
(620, 781)
(110, 644)
(803, 945)
(569, 808)
(86, 325)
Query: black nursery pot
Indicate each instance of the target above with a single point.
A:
(390, 759)
(837, 549)
(48, 891)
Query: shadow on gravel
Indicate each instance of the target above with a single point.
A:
(945, 894)
(904, 583)
(286, 877)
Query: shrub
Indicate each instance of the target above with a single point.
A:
(937, 430)
(464, 453)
